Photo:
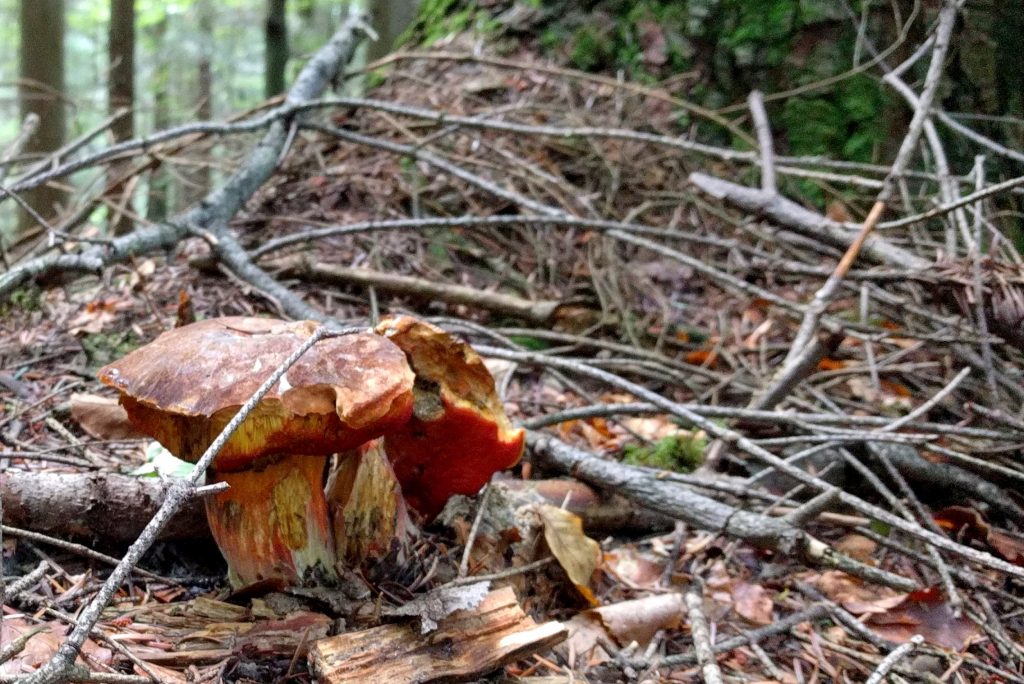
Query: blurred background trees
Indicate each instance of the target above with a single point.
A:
(78, 62)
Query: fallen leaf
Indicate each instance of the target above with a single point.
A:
(622, 623)
(102, 417)
(928, 614)
(639, 620)
(633, 567)
(752, 602)
(970, 525)
(702, 357)
(577, 553)
(44, 641)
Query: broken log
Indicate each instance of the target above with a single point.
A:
(95, 506)
(466, 645)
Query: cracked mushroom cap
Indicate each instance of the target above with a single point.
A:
(186, 385)
(459, 434)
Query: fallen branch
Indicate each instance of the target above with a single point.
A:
(786, 212)
(533, 311)
(92, 506)
(647, 489)
(745, 444)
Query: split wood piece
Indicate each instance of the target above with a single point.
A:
(786, 212)
(466, 645)
(105, 506)
(210, 642)
(533, 311)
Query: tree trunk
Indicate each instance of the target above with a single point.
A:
(204, 77)
(276, 47)
(41, 90)
(121, 96)
(159, 181)
(389, 19)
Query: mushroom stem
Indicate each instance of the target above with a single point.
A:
(273, 524)
(368, 511)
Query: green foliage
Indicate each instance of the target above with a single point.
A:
(102, 348)
(531, 343)
(682, 452)
(26, 298)
(845, 123)
(437, 19)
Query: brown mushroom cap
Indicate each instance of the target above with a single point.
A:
(186, 385)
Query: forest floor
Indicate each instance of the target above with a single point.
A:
(905, 420)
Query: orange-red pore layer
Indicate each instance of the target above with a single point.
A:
(455, 453)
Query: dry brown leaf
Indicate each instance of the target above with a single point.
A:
(857, 547)
(971, 525)
(854, 595)
(633, 567)
(577, 553)
(102, 417)
(928, 614)
(752, 602)
(638, 620)
(41, 646)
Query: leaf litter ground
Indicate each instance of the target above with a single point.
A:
(694, 336)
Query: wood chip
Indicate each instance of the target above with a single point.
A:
(467, 644)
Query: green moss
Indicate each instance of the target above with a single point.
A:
(682, 452)
(27, 298)
(102, 348)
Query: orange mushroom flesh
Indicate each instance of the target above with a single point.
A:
(184, 387)
(459, 434)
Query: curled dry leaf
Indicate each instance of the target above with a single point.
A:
(624, 622)
(43, 640)
(926, 613)
(970, 525)
(752, 602)
(577, 553)
(102, 417)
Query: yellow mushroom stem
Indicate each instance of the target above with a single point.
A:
(273, 523)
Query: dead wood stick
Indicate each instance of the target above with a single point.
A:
(786, 212)
(647, 489)
(764, 141)
(702, 635)
(105, 506)
(532, 311)
(922, 110)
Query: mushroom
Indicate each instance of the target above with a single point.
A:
(458, 435)
(273, 523)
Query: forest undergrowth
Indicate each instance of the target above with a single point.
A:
(798, 467)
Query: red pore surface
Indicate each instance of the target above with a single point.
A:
(459, 434)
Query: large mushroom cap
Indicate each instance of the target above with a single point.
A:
(459, 434)
(185, 386)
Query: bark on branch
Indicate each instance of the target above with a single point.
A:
(644, 488)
